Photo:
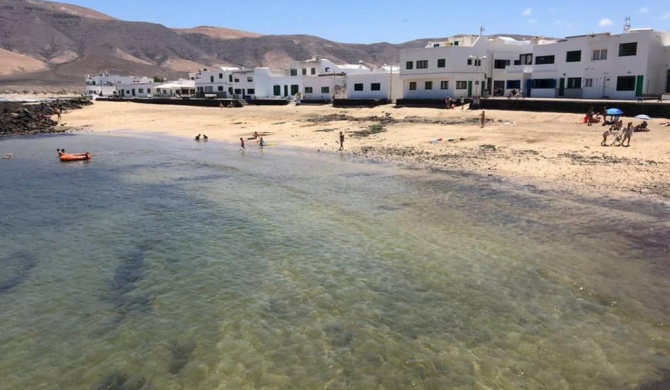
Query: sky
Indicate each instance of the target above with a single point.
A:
(394, 21)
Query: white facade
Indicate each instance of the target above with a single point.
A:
(620, 66)
(243, 84)
(218, 81)
(104, 84)
(179, 88)
(381, 83)
(136, 90)
(462, 66)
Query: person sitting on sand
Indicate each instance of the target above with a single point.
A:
(204, 137)
(197, 137)
(255, 136)
(642, 126)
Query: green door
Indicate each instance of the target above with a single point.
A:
(469, 88)
(639, 84)
(561, 87)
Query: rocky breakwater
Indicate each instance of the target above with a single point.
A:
(34, 118)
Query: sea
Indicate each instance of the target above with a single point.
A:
(165, 263)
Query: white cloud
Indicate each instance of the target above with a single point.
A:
(665, 16)
(527, 12)
(643, 10)
(605, 22)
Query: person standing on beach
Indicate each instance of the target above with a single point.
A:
(462, 103)
(483, 119)
(242, 142)
(341, 141)
(58, 114)
(261, 143)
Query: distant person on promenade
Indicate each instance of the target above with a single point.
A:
(341, 140)
(242, 143)
(483, 119)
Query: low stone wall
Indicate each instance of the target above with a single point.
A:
(427, 103)
(629, 108)
(180, 102)
(359, 102)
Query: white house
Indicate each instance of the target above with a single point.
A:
(380, 83)
(617, 66)
(461, 66)
(243, 84)
(104, 84)
(179, 88)
(138, 89)
(218, 81)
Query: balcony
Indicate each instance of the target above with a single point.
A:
(516, 69)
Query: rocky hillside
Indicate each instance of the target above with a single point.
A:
(54, 45)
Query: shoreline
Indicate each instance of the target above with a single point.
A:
(550, 150)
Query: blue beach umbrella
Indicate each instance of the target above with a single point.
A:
(614, 111)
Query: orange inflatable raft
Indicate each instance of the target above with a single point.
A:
(75, 156)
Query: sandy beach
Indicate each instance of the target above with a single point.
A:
(548, 150)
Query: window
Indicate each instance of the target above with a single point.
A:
(513, 84)
(501, 64)
(461, 85)
(409, 65)
(308, 89)
(220, 75)
(358, 87)
(237, 80)
(276, 90)
(375, 87)
(220, 88)
(544, 83)
(444, 84)
(429, 85)
(295, 89)
(469, 61)
(148, 90)
(573, 56)
(588, 83)
(423, 64)
(599, 54)
(627, 49)
(412, 85)
(250, 79)
(141, 90)
(574, 82)
(526, 59)
(211, 79)
(304, 71)
(238, 91)
(541, 60)
(294, 72)
(230, 78)
(325, 89)
(625, 83)
(476, 62)
(251, 91)
(441, 63)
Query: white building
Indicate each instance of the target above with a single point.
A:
(461, 66)
(215, 81)
(380, 83)
(105, 85)
(179, 88)
(138, 89)
(616, 66)
(243, 83)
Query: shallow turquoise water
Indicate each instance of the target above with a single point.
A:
(179, 265)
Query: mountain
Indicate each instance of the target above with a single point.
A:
(47, 44)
